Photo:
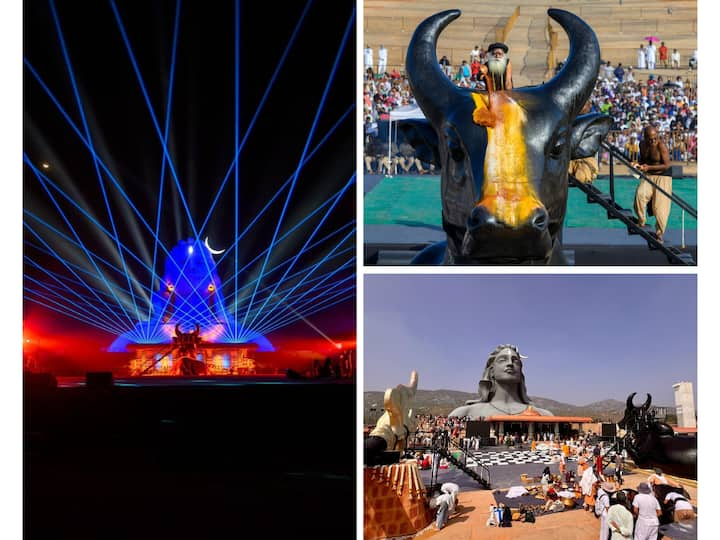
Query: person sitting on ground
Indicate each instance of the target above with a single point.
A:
(526, 515)
(506, 516)
(550, 497)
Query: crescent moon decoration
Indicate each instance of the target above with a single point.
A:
(211, 250)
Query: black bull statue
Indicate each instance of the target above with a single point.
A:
(504, 182)
(651, 443)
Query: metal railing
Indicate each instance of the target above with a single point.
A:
(616, 153)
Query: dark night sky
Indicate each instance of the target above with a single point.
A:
(202, 130)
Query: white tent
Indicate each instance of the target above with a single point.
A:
(407, 112)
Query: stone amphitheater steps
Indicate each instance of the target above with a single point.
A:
(620, 29)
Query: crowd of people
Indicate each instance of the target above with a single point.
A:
(632, 101)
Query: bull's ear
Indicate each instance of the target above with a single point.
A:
(422, 137)
(588, 131)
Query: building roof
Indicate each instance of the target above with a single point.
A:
(539, 418)
(532, 415)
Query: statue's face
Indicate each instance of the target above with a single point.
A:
(507, 367)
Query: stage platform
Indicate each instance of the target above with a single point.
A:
(398, 244)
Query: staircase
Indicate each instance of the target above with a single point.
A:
(483, 479)
(615, 211)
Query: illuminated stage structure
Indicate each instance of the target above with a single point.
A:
(188, 295)
(104, 207)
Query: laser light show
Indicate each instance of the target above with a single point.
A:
(189, 165)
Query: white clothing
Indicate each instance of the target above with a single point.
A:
(587, 481)
(382, 60)
(623, 518)
(516, 491)
(368, 58)
(646, 527)
(641, 59)
(447, 498)
(474, 55)
(679, 505)
(675, 59)
(657, 479)
(650, 56)
(492, 519)
(604, 499)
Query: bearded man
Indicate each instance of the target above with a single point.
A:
(499, 67)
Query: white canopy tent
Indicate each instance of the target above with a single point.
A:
(406, 112)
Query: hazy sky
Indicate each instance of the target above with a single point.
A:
(587, 337)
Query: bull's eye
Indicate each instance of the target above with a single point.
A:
(558, 146)
(456, 151)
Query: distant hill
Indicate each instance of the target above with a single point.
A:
(441, 402)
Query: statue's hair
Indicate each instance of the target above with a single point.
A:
(487, 385)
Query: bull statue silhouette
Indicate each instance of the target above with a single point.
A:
(651, 443)
(503, 154)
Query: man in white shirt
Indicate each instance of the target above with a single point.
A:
(382, 60)
(647, 510)
(368, 56)
(650, 55)
(475, 54)
(675, 59)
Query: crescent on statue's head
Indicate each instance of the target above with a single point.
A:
(211, 250)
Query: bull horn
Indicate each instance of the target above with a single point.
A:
(629, 402)
(197, 329)
(647, 403)
(429, 84)
(571, 88)
(177, 330)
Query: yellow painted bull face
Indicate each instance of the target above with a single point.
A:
(507, 193)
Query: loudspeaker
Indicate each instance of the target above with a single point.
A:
(99, 379)
(609, 430)
(476, 428)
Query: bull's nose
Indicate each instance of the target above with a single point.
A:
(539, 219)
(480, 217)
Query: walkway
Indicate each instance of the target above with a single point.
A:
(473, 510)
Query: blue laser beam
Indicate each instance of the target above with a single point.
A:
(171, 84)
(289, 299)
(349, 235)
(307, 144)
(81, 107)
(74, 232)
(258, 109)
(328, 212)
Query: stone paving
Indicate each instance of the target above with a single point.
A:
(473, 510)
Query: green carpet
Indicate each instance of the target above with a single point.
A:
(415, 200)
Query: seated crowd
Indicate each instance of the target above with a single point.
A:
(671, 106)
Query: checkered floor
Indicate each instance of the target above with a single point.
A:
(516, 457)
